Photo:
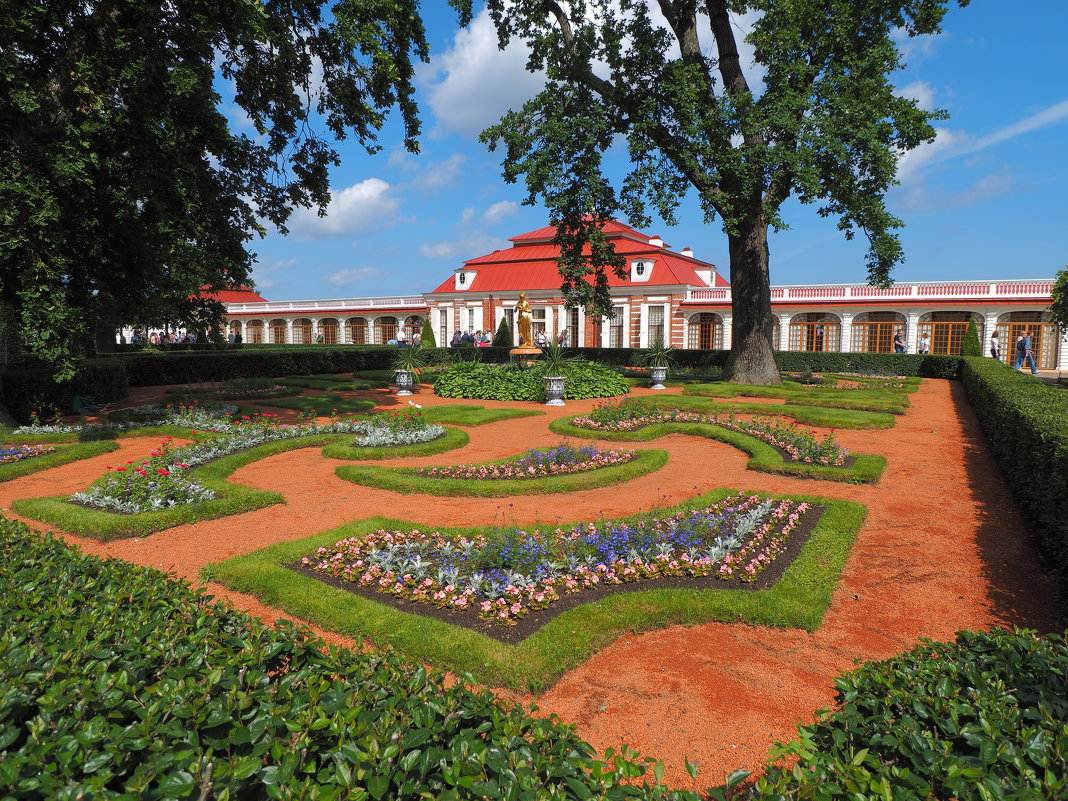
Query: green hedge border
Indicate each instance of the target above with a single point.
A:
(798, 600)
(866, 469)
(233, 498)
(404, 479)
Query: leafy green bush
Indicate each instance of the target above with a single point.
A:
(426, 336)
(1026, 424)
(971, 346)
(28, 389)
(980, 718)
(174, 696)
(509, 383)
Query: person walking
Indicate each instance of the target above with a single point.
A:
(899, 343)
(925, 344)
(995, 346)
(1025, 354)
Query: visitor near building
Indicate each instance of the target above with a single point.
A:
(899, 343)
(925, 344)
(1025, 354)
(995, 349)
(457, 338)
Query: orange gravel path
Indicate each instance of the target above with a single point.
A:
(943, 549)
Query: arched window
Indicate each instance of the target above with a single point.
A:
(385, 330)
(413, 324)
(328, 331)
(873, 332)
(254, 331)
(302, 331)
(278, 332)
(815, 331)
(705, 332)
(946, 329)
(356, 330)
(1045, 337)
(235, 328)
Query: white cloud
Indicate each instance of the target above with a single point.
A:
(920, 91)
(467, 216)
(467, 246)
(473, 83)
(946, 144)
(921, 199)
(362, 207)
(498, 211)
(440, 174)
(1048, 116)
(350, 276)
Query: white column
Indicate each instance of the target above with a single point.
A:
(289, 330)
(913, 337)
(728, 334)
(845, 341)
(784, 331)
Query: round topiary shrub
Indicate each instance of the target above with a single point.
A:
(508, 383)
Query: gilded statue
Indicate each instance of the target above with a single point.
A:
(524, 320)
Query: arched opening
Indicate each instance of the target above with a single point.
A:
(327, 334)
(254, 332)
(356, 330)
(302, 331)
(235, 330)
(815, 331)
(1045, 337)
(873, 332)
(278, 332)
(413, 324)
(704, 332)
(946, 329)
(385, 330)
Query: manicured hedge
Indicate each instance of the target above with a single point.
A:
(28, 389)
(509, 383)
(119, 682)
(1026, 423)
(981, 718)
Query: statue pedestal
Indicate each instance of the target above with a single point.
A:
(524, 356)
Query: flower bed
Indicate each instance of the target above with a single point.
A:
(17, 453)
(398, 427)
(797, 444)
(504, 575)
(559, 461)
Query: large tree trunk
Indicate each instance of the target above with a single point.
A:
(751, 360)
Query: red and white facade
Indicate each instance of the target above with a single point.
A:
(669, 294)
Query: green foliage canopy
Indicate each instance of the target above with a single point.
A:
(816, 117)
(123, 184)
(1059, 309)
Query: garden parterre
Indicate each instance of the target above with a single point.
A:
(509, 572)
(559, 461)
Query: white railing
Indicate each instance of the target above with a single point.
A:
(943, 290)
(348, 304)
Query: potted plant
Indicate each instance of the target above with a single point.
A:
(554, 369)
(406, 366)
(658, 357)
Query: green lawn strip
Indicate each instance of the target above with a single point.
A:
(822, 416)
(798, 600)
(322, 404)
(859, 399)
(94, 434)
(212, 394)
(463, 414)
(233, 498)
(911, 382)
(451, 439)
(867, 469)
(64, 454)
(402, 479)
(330, 383)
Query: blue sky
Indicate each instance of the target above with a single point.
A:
(985, 200)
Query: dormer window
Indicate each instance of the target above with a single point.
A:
(641, 270)
(464, 279)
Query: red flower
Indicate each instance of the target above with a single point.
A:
(163, 471)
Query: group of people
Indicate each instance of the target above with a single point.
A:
(479, 339)
(159, 337)
(1024, 352)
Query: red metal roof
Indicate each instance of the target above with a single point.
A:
(242, 294)
(531, 264)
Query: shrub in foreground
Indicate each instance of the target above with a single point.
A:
(509, 383)
(984, 717)
(121, 682)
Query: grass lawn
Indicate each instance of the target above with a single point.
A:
(867, 469)
(821, 416)
(463, 414)
(322, 404)
(64, 454)
(798, 600)
(872, 400)
(406, 480)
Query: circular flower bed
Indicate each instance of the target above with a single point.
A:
(510, 572)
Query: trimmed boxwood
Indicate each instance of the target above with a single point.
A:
(120, 682)
(983, 717)
(1026, 423)
(509, 383)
